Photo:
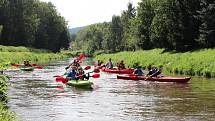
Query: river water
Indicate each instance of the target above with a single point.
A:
(35, 96)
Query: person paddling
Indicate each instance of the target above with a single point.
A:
(81, 74)
(109, 64)
(74, 63)
(99, 63)
(71, 73)
(158, 72)
(138, 71)
(27, 63)
(152, 70)
(121, 65)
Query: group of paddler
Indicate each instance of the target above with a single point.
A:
(75, 72)
(139, 71)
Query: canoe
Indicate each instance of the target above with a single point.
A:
(159, 79)
(80, 83)
(117, 71)
(99, 67)
(27, 68)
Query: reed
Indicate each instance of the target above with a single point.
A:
(196, 63)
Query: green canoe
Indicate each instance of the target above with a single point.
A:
(80, 83)
(27, 68)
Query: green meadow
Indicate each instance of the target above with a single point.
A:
(195, 63)
(10, 54)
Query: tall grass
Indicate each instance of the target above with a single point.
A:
(197, 63)
(5, 115)
(10, 54)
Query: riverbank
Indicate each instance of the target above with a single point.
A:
(10, 54)
(196, 63)
(5, 114)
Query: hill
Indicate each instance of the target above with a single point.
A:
(76, 30)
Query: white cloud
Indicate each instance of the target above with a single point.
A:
(84, 12)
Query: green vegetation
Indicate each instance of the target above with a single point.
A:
(32, 23)
(5, 115)
(197, 63)
(178, 25)
(10, 54)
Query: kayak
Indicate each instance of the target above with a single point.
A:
(117, 71)
(80, 83)
(27, 68)
(159, 79)
(99, 67)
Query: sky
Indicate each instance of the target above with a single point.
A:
(80, 13)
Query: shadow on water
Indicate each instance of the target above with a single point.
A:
(36, 96)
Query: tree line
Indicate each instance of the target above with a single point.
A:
(180, 25)
(32, 23)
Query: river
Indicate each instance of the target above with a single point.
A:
(35, 96)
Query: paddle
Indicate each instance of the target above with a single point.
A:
(95, 75)
(81, 56)
(87, 68)
(96, 70)
(65, 80)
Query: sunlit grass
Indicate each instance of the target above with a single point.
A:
(5, 114)
(10, 54)
(197, 63)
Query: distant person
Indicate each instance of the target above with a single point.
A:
(27, 63)
(121, 65)
(138, 71)
(74, 63)
(152, 70)
(158, 72)
(99, 63)
(109, 64)
(71, 73)
(81, 74)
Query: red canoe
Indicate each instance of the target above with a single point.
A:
(117, 71)
(159, 79)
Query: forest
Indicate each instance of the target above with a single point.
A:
(32, 23)
(175, 25)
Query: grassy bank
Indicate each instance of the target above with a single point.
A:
(197, 63)
(10, 54)
(5, 114)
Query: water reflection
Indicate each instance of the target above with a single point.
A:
(36, 96)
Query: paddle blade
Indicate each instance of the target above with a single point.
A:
(96, 70)
(57, 76)
(81, 56)
(34, 64)
(62, 79)
(96, 75)
(87, 68)
(39, 67)
(15, 65)
(59, 79)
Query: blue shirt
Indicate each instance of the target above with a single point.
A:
(71, 74)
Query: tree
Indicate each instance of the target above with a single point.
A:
(127, 26)
(145, 15)
(115, 34)
(207, 28)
